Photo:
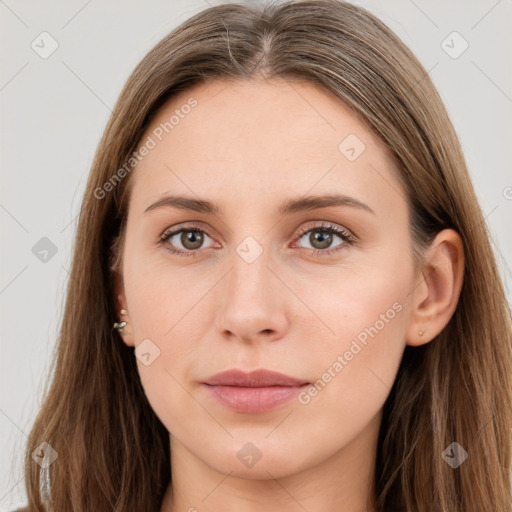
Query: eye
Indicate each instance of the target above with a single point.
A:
(184, 241)
(188, 240)
(322, 237)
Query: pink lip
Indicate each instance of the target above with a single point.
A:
(257, 391)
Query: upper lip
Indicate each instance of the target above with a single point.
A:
(254, 379)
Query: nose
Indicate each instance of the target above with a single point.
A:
(254, 302)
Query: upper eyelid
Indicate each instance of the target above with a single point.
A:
(327, 226)
(186, 227)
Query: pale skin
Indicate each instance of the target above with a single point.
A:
(248, 147)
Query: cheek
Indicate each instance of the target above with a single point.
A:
(167, 307)
(363, 355)
(162, 296)
(356, 359)
(355, 369)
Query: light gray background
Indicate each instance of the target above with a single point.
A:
(53, 112)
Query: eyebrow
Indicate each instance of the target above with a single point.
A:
(287, 207)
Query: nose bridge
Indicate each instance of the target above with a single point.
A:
(250, 276)
(252, 302)
(253, 253)
(250, 273)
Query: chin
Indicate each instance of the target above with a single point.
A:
(261, 458)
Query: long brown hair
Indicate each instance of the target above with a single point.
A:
(113, 451)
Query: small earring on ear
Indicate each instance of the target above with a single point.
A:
(120, 327)
(421, 333)
(123, 312)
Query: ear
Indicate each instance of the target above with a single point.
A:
(121, 304)
(437, 291)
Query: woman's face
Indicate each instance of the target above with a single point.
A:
(300, 263)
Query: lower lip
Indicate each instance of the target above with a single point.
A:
(254, 400)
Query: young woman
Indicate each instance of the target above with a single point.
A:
(283, 295)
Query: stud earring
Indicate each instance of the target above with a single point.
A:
(120, 327)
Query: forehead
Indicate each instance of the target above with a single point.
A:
(304, 115)
(259, 137)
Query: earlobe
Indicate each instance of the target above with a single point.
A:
(437, 295)
(122, 324)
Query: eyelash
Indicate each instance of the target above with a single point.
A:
(327, 227)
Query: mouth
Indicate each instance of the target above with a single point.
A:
(255, 392)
